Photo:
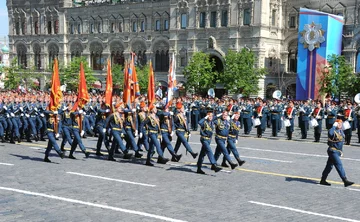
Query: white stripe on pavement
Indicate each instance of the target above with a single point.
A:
(303, 211)
(283, 152)
(106, 178)
(7, 164)
(260, 158)
(93, 204)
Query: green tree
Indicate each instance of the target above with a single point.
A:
(240, 73)
(70, 74)
(199, 73)
(16, 76)
(339, 79)
(117, 72)
(143, 77)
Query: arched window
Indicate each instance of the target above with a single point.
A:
(37, 56)
(36, 27)
(21, 54)
(162, 61)
(141, 58)
(57, 26)
(117, 53)
(292, 57)
(96, 50)
(76, 50)
(53, 53)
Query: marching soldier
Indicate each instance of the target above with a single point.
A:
(349, 117)
(261, 112)
(275, 113)
(318, 115)
(153, 126)
(50, 129)
(66, 125)
(182, 130)
(247, 117)
(195, 113)
(131, 131)
(143, 137)
(304, 113)
(330, 113)
(206, 131)
(222, 126)
(77, 132)
(100, 128)
(289, 119)
(335, 151)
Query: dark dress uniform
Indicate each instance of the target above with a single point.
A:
(76, 118)
(290, 115)
(166, 130)
(335, 150)
(50, 130)
(206, 132)
(182, 132)
(318, 114)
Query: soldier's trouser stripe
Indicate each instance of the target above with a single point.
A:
(92, 204)
(303, 211)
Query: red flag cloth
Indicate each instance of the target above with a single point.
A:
(126, 91)
(109, 86)
(55, 94)
(135, 90)
(151, 86)
(83, 94)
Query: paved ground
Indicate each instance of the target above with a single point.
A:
(279, 182)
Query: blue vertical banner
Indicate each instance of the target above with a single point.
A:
(320, 35)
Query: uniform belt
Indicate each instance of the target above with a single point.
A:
(76, 127)
(232, 136)
(32, 116)
(128, 127)
(180, 129)
(330, 117)
(116, 129)
(205, 137)
(164, 130)
(153, 131)
(275, 113)
(333, 148)
(221, 137)
(246, 112)
(51, 130)
(194, 109)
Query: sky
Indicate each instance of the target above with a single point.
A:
(4, 22)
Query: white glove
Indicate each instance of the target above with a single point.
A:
(64, 108)
(171, 113)
(218, 115)
(22, 114)
(136, 133)
(272, 108)
(81, 111)
(7, 115)
(236, 141)
(206, 117)
(35, 109)
(233, 116)
(21, 109)
(189, 135)
(12, 114)
(172, 133)
(104, 130)
(107, 110)
(336, 124)
(82, 133)
(318, 117)
(5, 107)
(140, 135)
(57, 135)
(91, 107)
(55, 112)
(228, 118)
(42, 115)
(27, 115)
(109, 131)
(133, 110)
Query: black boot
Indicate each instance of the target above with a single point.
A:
(46, 159)
(347, 183)
(127, 156)
(72, 157)
(111, 158)
(162, 160)
(149, 163)
(176, 158)
(323, 182)
(223, 164)
(138, 155)
(241, 162)
(62, 148)
(200, 171)
(215, 168)
(194, 155)
(98, 153)
(233, 165)
(62, 155)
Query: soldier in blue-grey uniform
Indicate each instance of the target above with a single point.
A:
(143, 136)
(247, 112)
(304, 113)
(66, 125)
(330, 113)
(77, 132)
(195, 113)
(222, 126)
(261, 112)
(275, 115)
(289, 115)
(335, 151)
(50, 130)
(206, 131)
(100, 128)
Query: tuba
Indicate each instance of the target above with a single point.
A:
(276, 94)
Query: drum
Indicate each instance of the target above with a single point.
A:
(346, 125)
(314, 123)
(257, 122)
(287, 123)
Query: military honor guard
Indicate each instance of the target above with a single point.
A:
(335, 151)
(51, 132)
(348, 119)
(289, 117)
(317, 115)
(304, 113)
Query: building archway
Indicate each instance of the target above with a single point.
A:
(291, 91)
(218, 69)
